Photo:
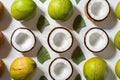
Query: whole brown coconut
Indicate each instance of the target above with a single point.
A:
(1, 10)
(1, 38)
(2, 67)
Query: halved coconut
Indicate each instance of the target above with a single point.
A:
(97, 10)
(60, 39)
(96, 39)
(60, 69)
(23, 39)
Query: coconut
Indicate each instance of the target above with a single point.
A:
(97, 10)
(60, 69)
(96, 39)
(23, 39)
(2, 39)
(1, 9)
(60, 39)
(2, 67)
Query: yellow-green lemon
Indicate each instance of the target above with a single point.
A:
(117, 68)
(22, 68)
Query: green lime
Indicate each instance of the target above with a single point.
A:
(117, 40)
(117, 68)
(23, 9)
(117, 11)
(60, 9)
(95, 69)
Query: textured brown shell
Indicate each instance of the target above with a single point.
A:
(2, 67)
(1, 10)
(2, 40)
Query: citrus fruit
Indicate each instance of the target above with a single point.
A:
(23, 9)
(60, 9)
(22, 68)
(117, 68)
(117, 40)
(117, 10)
(95, 69)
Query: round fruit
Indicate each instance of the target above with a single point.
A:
(1, 9)
(95, 69)
(60, 69)
(23, 9)
(60, 39)
(117, 11)
(2, 40)
(2, 67)
(117, 68)
(22, 68)
(60, 9)
(23, 39)
(94, 10)
(96, 39)
(117, 40)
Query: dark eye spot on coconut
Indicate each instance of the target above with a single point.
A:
(77, 55)
(78, 23)
(43, 55)
(42, 22)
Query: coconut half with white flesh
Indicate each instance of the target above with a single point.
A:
(97, 10)
(60, 39)
(23, 39)
(60, 69)
(96, 39)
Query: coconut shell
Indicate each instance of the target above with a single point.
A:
(1, 38)
(2, 67)
(1, 10)
(89, 17)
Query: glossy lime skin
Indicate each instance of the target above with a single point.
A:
(95, 69)
(23, 9)
(22, 68)
(117, 11)
(60, 9)
(117, 68)
(117, 40)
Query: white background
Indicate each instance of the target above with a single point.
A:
(7, 25)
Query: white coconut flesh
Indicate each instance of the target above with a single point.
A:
(96, 40)
(98, 9)
(23, 39)
(60, 39)
(61, 69)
